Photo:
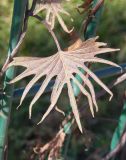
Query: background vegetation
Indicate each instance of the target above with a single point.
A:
(24, 134)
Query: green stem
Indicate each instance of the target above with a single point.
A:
(6, 102)
(120, 128)
(92, 27)
(90, 32)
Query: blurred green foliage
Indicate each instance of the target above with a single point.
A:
(23, 133)
(6, 8)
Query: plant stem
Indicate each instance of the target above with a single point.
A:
(120, 128)
(50, 30)
(6, 102)
(15, 50)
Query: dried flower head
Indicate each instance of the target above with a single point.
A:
(53, 10)
(64, 65)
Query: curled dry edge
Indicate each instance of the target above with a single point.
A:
(64, 65)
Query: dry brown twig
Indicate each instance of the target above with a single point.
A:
(53, 147)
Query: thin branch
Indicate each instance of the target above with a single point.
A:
(50, 30)
(54, 146)
(92, 14)
(32, 7)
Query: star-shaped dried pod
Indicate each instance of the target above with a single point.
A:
(64, 65)
(53, 10)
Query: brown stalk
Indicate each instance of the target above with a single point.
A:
(91, 14)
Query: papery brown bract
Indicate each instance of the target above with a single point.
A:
(64, 65)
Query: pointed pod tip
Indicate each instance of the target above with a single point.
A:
(71, 30)
(111, 97)
(92, 112)
(81, 130)
(80, 127)
(116, 50)
(29, 116)
(97, 37)
(18, 106)
(120, 68)
(93, 115)
(11, 82)
(38, 122)
(97, 109)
